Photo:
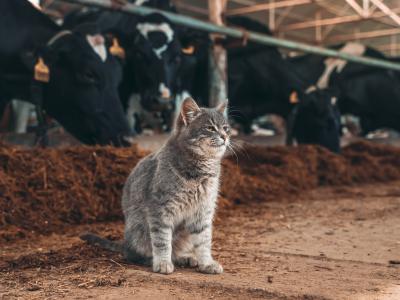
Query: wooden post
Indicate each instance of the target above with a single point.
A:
(271, 17)
(217, 57)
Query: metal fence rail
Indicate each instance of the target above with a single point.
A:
(236, 33)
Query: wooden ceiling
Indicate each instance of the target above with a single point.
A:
(320, 22)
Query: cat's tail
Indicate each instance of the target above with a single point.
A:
(93, 239)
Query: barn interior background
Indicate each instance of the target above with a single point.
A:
(297, 222)
(320, 22)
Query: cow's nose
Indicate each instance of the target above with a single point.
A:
(164, 91)
(128, 139)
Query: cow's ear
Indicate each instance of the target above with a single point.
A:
(189, 111)
(294, 97)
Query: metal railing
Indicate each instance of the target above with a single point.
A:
(236, 33)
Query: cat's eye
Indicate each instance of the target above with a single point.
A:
(210, 128)
(226, 128)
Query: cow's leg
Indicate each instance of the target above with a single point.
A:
(133, 111)
(367, 125)
(42, 137)
(4, 115)
(21, 115)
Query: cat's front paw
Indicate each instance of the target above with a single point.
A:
(212, 268)
(163, 267)
(186, 261)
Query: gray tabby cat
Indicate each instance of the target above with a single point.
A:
(170, 197)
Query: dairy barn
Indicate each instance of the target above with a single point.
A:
(193, 149)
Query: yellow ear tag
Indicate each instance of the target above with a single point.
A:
(294, 98)
(116, 49)
(41, 71)
(189, 50)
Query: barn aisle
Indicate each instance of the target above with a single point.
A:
(313, 247)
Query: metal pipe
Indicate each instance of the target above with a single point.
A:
(236, 33)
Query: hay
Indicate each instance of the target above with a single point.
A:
(47, 189)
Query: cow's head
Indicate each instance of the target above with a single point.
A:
(82, 93)
(317, 119)
(157, 56)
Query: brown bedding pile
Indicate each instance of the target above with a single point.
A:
(47, 189)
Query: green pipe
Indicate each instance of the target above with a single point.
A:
(236, 33)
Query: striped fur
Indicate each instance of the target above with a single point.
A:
(170, 197)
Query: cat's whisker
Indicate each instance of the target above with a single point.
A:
(240, 147)
(233, 151)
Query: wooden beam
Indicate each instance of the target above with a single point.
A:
(334, 21)
(357, 8)
(386, 10)
(318, 29)
(245, 2)
(283, 16)
(363, 35)
(192, 8)
(271, 17)
(218, 61)
(365, 7)
(266, 6)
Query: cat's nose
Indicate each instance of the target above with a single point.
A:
(224, 136)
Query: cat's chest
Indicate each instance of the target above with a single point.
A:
(201, 191)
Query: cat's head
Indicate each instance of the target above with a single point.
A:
(205, 131)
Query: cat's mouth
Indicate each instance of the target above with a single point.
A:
(218, 145)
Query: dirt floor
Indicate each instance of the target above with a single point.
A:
(339, 244)
(294, 223)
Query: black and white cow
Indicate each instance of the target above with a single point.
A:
(315, 119)
(371, 93)
(82, 92)
(261, 81)
(153, 55)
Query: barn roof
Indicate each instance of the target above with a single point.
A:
(319, 22)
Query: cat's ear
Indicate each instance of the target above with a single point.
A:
(189, 111)
(222, 106)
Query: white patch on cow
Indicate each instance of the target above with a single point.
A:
(160, 51)
(133, 109)
(22, 112)
(146, 28)
(164, 91)
(36, 4)
(140, 2)
(338, 64)
(259, 131)
(58, 36)
(97, 43)
(378, 134)
(310, 89)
